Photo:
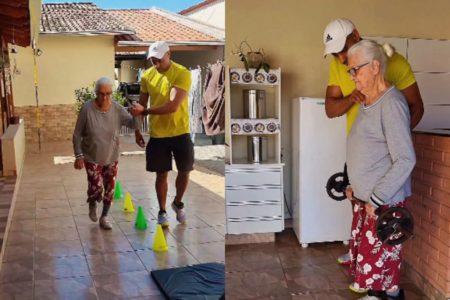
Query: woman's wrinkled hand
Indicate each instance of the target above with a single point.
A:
(136, 109)
(78, 164)
(349, 193)
(139, 139)
(370, 210)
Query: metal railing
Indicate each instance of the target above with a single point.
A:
(127, 131)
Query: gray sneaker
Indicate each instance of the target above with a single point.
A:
(181, 215)
(93, 213)
(105, 224)
(163, 219)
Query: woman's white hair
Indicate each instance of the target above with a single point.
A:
(103, 81)
(371, 50)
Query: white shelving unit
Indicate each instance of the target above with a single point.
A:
(253, 192)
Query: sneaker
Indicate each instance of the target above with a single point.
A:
(356, 289)
(400, 296)
(373, 295)
(181, 215)
(105, 224)
(163, 219)
(93, 212)
(344, 259)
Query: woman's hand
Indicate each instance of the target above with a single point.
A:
(349, 193)
(136, 109)
(370, 210)
(78, 164)
(139, 139)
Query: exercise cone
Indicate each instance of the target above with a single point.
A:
(159, 244)
(118, 194)
(128, 204)
(141, 222)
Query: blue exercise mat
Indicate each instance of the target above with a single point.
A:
(197, 282)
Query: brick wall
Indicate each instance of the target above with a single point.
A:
(57, 122)
(428, 255)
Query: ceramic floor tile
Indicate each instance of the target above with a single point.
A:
(100, 246)
(187, 236)
(58, 248)
(112, 263)
(16, 271)
(130, 285)
(16, 291)
(174, 257)
(66, 288)
(60, 267)
(57, 234)
(55, 222)
(23, 225)
(210, 252)
(18, 252)
(20, 237)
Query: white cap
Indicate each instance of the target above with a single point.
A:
(336, 34)
(158, 49)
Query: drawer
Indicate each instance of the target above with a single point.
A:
(244, 211)
(253, 177)
(254, 226)
(253, 195)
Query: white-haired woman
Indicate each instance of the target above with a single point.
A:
(96, 146)
(380, 158)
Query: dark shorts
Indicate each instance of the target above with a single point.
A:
(160, 151)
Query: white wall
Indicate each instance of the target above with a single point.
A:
(212, 14)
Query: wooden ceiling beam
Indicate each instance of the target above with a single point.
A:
(13, 11)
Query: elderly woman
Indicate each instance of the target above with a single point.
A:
(380, 158)
(96, 147)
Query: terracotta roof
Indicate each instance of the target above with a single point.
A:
(197, 6)
(79, 18)
(156, 24)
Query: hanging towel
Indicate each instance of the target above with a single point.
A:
(214, 100)
(195, 102)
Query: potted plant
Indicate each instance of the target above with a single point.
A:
(251, 58)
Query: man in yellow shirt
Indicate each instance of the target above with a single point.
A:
(167, 84)
(343, 97)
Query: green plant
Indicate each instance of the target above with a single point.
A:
(85, 94)
(250, 58)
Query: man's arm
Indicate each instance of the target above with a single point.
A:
(415, 103)
(336, 104)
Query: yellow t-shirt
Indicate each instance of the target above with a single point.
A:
(158, 86)
(398, 73)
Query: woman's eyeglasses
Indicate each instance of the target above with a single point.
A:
(354, 71)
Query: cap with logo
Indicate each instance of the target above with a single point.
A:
(335, 35)
(158, 49)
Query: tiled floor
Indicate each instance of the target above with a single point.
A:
(6, 194)
(284, 270)
(55, 252)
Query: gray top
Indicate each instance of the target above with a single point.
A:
(380, 152)
(96, 134)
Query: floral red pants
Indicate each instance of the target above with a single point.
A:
(374, 265)
(101, 182)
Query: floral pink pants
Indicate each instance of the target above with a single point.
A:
(374, 265)
(101, 182)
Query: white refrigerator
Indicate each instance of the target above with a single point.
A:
(318, 150)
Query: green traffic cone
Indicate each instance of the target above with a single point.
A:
(118, 194)
(141, 222)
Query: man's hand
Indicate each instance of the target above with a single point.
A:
(78, 164)
(357, 97)
(139, 139)
(136, 109)
(370, 210)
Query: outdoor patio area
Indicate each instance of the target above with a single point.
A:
(54, 251)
